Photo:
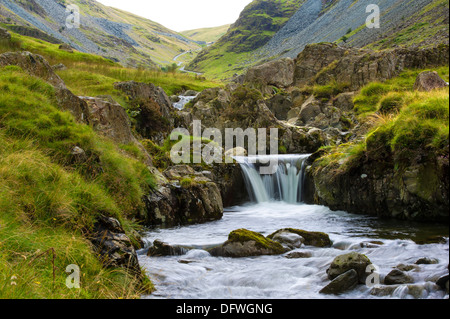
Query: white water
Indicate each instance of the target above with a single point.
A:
(197, 275)
(183, 101)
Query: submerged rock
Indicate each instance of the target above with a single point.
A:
(342, 283)
(317, 239)
(397, 277)
(299, 254)
(246, 243)
(344, 263)
(160, 248)
(288, 239)
(426, 261)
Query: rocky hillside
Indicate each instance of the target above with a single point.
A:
(256, 25)
(105, 31)
(420, 23)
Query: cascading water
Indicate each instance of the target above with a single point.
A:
(283, 185)
(276, 198)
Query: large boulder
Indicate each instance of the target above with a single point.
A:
(278, 73)
(343, 263)
(110, 119)
(341, 283)
(317, 239)
(428, 81)
(246, 243)
(183, 197)
(397, 277)
(4, 35)
(145, 91)
(34, 65)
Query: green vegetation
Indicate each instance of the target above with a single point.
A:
(50, 200)
(207, 34)
(407, 126)
(91, 75)
(257, 24)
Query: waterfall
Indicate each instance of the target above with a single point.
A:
(285, 184)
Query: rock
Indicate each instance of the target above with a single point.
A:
(397, 277)
(34, 65)
(4, 35)
(77, 151)
(110, 119)
(280, 105)
(278, 73)
(66, 47)
(309, 110)
(428, 81)
(68, 101)
(59, 67)
(114, 247)
(442, 282)
(342, 283)
(426, 261)
(383, 291)
(160, 249)
(174, 204)
(145, 91)
(288, 239)
(371, 244)
(299, 254)
(344, 263)
(237, 151)
(246, 243)
(175, 99)
(344, 101)
(403, 267)
(177, 172)
(190, 93)
(316, 239)
(324, 63)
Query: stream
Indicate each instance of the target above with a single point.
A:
(387, 243)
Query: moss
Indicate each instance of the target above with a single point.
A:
(244, 235)
(317, 239)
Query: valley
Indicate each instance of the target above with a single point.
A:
(113, 161)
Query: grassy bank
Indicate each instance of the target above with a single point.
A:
(49, 200)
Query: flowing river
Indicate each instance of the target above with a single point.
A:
(276, 204)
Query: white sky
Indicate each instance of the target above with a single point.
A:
(181, 15)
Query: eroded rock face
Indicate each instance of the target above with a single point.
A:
(245, 243)
(325, 62)
(138, 90)
(114, 247)
(278, 73)
(187, 197)
(109, 118)
(33, 64)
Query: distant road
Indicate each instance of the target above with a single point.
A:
(175, 59)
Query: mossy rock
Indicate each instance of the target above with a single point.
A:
(343, 263)
(316, 239)
(246, 243)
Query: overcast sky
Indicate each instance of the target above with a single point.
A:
(181, 15)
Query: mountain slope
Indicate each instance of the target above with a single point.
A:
(256, 25)
(105, 31)
(207, 34)
(255, 37)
